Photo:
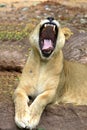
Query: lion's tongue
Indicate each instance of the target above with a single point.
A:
(47, 45)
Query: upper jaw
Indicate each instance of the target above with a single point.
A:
(47, 21)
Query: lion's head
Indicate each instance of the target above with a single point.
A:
(47, 37)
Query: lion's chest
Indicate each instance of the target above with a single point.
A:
(41, 82)
(43, 77)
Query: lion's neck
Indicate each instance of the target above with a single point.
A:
(54, 63)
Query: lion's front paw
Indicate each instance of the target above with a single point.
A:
(33, 121)
(22, 118)
(27, 118)
(34, 117)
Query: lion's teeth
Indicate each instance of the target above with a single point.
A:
(54, 28)
(50, 25)
(45, 25)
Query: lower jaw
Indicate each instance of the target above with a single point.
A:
(46, 54)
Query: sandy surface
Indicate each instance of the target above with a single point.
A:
(20, 3)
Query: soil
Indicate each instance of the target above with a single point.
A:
(13, 55)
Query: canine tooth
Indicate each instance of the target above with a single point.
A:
(54, 28)
(45, 25)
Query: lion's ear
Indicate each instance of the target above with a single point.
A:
(67, 32)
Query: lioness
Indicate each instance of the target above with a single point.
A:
(47, 77)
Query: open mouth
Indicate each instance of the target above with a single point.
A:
(47, 38)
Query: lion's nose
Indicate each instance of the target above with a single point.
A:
(50, 19)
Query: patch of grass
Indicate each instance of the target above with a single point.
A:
(14, 35)
(9, 33)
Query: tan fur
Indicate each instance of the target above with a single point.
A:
(51, 80)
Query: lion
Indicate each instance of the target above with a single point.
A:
(47, 77)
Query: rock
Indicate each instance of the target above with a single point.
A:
(10, 60)
(47, 8)
(13, 54)
(54, 117)
(75, 48)
(57, 117)
(25, 8)
(61, 117)
(83, 21)
(7, 114)
(64, 117)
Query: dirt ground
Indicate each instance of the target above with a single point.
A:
(15, 15)
(17, 3)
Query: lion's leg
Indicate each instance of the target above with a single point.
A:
(21, 107)
(37, 107)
